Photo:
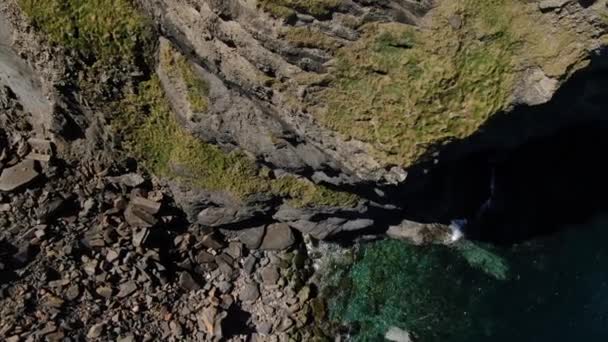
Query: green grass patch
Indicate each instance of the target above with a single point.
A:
(102, 29)
(404, 89)
(154, 137)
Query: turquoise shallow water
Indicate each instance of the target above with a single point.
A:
(549, 289)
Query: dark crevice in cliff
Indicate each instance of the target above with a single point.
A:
(525, 172)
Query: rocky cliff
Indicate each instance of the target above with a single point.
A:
(319, 117)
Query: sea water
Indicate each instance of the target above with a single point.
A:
(553, 288)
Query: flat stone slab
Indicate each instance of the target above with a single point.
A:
(548, 5)
(19, 175)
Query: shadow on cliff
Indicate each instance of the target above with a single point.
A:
(524, 173)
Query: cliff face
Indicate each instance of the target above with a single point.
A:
(303, 111)
(167, 167)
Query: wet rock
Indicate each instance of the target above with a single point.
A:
(252, 237)
(249, 293)
(420, 233)
(395, 334)
(19, 175)
(278, 237)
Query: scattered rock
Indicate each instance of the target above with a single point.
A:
(140, 236)
(252, 237)
(104, 291)
(19, 175)
(270, 275)
(188, 283)
(96, 330)
(210, 241)
(137, 217)
(131, 180)
(126, 289)
(146, 205)
(278, 236)
(249, 293)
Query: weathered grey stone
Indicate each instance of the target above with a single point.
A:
(217, 217)
(249, 293)
(270, 275)
(131, 180)
(19, 175)
(136, 217)
(278, 237)
(96, 330)
(146, 205)
(126, 289)
(188, 283)
(547, 5)
(252, 237)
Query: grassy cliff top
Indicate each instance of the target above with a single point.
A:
(103, 29)
(404, 89)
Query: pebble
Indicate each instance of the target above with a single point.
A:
(188, 283)
(270, 275)
(126, 289)
(96, 330)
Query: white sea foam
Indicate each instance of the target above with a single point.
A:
(457, 227)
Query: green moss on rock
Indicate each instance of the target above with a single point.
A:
(179, 67)
(306, 37)
(104, 29)
(287, 8)
(404, 89)
(154, 136)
